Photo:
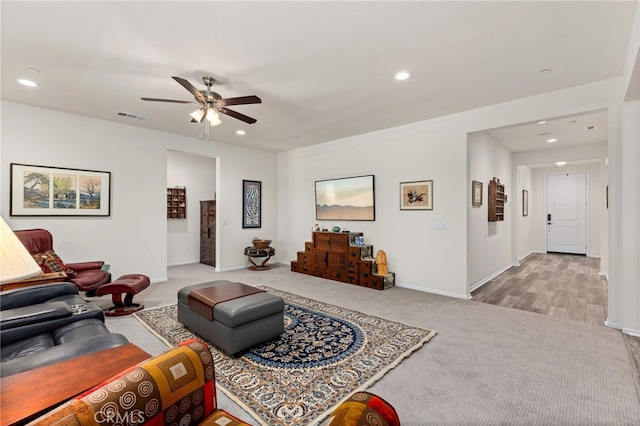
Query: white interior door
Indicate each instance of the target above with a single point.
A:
(567, 213)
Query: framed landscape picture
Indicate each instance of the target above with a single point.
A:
(58, 191)
(251, 204)
(350, 198)
(416, 195)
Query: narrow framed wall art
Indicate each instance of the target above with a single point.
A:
(251, 204)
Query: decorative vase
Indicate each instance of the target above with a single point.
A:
(336, 229)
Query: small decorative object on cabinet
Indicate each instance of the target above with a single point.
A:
(497, 198)
(334, 256)
(208, 232)
(177, 203)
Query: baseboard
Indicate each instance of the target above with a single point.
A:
(487, 279)
(612, 325)
(526, 255)
(604, 274)
(430, 290)
(187, 262)
(631, 332)
(159, 280)
(233, 268)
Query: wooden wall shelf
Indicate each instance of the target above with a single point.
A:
(177, 203)
(497, 200)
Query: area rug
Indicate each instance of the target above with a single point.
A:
(325, 354)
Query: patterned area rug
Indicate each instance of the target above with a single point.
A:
(325, 354)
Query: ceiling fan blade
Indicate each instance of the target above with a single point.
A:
(237, 115)
(195, 92)
(241, 100)
(169, 100)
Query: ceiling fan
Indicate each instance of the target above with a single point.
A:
(211, 103)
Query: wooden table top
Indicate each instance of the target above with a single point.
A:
(24, 396)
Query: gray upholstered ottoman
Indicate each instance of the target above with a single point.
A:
(232, 325)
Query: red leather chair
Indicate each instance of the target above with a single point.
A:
(87, 276)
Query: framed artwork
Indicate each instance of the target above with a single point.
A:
(58, 191)
(525, 202)
(416, 195)
(476, 193)
(251, 204)
(350, 198)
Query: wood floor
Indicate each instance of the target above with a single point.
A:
(563, 285)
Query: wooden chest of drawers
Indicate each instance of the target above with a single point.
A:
(331, 255)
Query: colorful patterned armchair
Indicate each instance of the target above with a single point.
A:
(178, 388)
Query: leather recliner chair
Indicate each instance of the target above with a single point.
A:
(87, 276)
(46, 324)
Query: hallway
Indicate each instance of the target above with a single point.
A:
(562, 285)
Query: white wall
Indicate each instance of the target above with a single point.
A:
(198, 175)
(422, 257)
(489, 243)
(134, 238)
(525, 223)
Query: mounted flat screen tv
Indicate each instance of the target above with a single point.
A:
(350, 198)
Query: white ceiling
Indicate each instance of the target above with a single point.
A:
(324, 70)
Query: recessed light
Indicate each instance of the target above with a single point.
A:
(403, 75)
(552, 140)
(560, 163)
(27, 83)
(542, 123)
(240, 132)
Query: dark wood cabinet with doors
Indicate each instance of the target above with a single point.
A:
(208, 232)
(334, 256)
(497, 200)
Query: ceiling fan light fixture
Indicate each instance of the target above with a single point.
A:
(198, 114)
(212, 117)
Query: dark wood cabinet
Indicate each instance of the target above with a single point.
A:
(497, 200)
(177, 203)
(333, 256)
(208, 232)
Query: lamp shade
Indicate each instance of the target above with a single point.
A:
(212, 117)
(15, 261)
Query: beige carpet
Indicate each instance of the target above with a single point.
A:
(489, 365)
(325, 354)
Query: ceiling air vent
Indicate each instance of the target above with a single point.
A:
(132, 116)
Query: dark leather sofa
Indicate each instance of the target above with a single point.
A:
(45, 324)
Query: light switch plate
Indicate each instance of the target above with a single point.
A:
(441, 226)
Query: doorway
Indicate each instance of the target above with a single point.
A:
(566, 213)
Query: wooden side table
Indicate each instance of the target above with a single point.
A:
(26, 395)
(252, 252)
(44, 278)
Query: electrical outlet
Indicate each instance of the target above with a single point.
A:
(441, 226)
